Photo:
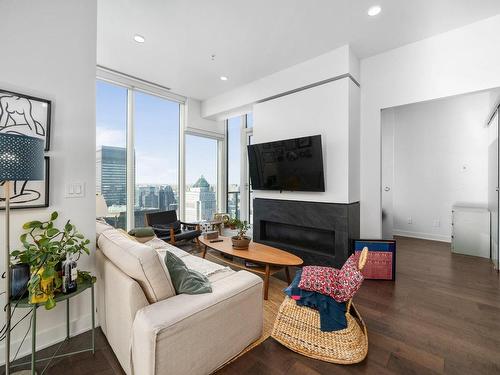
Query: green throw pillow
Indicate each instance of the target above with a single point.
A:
(142, 232)
(185, 280)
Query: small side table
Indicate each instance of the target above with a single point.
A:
(23, 303)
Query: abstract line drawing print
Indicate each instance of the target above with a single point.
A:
(11, 106)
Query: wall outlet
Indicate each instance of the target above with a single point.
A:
(436, 223)
(410, 221)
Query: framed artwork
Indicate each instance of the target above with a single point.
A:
(28, 194)
(25, 115)
(381, 261)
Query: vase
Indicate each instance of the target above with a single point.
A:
(241, 243)
(19, 276)
(44, 290)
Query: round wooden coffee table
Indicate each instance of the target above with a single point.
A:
(270, 259)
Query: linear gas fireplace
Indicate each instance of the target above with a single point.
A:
(319, 233)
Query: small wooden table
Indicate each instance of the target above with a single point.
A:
(272, 260)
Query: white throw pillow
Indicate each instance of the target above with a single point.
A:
(138, 261)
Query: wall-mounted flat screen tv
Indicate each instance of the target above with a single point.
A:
(292, 165)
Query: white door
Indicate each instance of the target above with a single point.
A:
(387, 126)
(493, 184)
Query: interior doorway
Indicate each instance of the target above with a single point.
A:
(440, 164)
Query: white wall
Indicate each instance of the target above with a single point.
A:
(332, 64)
(324, 110)
(460, 61)
(195, 123)
(330, 109)
(49, 50)
(440, 159)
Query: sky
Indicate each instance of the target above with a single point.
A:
(156, 136)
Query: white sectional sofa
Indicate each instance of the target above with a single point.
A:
(151, 330)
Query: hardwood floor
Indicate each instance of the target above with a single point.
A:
(441, 316)
(103, 362)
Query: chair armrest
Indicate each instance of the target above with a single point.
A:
(160, 229)
(206, 323)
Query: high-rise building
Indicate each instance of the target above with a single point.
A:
(111, 174)
(201, 203)
(167, 198)
(150, 199)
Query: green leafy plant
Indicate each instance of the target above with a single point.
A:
(44, 246)
(233, 222)
(242, 227)
(85, 276)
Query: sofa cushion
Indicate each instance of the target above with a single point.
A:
(185, 280)
(101, 226)
(161, 247)
(211, 270)
(138, 261)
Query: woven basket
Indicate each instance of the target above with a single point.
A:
(298, 328)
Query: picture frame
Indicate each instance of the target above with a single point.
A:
(25, 115)
(29, 194)
(381, 261)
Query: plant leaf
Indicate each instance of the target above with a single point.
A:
(51, 232)
(50, 303)
(53, 216)
(32, 224)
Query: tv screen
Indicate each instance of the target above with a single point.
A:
(292, 164)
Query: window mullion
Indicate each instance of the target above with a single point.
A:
(130, 160)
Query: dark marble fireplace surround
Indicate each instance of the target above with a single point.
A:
(319, 233)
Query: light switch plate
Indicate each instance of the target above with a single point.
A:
(74, 190)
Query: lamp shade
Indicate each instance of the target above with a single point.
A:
(21, 158)
(101, 208)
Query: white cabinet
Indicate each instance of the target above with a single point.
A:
(471, 231)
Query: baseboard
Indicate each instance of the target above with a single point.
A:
(423, 236)
(47, 337)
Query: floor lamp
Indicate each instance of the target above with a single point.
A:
(21, 159)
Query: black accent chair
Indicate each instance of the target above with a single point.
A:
(169, 229)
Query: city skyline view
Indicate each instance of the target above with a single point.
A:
(156, 150)
(157, 124)
(201, 201)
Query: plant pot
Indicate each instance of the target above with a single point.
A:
(19, 276)
(241, 244)
(45, 289)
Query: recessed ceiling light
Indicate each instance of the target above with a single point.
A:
(139, 38)
(223, 78)
(374, 10)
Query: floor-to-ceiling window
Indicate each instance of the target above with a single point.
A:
(249, 138)
(111, 150)
(138, 149)
(239, 195)
(201, 171)
(156, 138)
(234, 149)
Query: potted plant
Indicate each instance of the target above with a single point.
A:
(44, 247)
(232, 223)
(241, 240)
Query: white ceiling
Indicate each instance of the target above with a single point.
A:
(254, 38)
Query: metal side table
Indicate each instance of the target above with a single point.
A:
(23, 303)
